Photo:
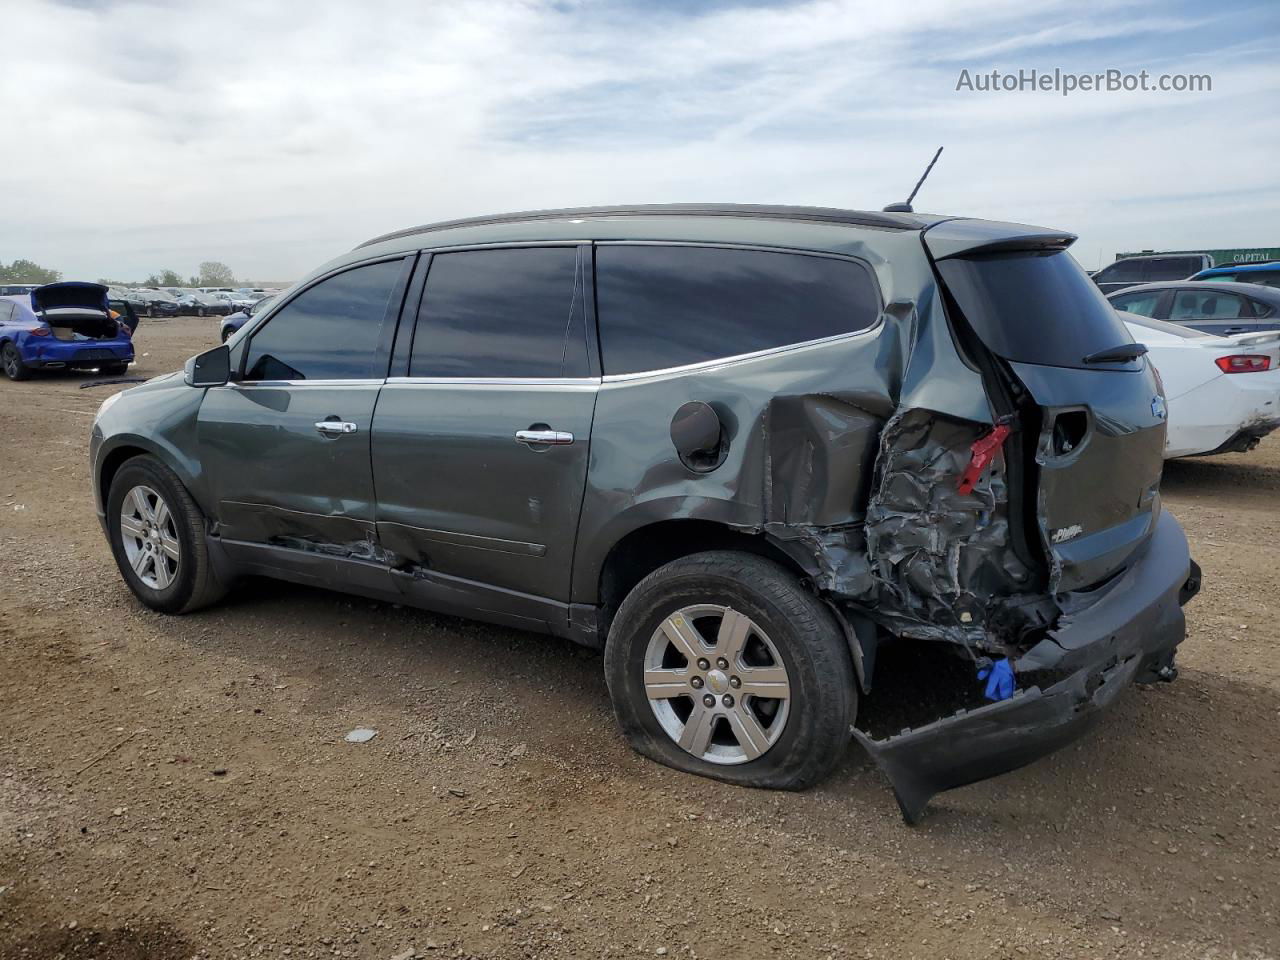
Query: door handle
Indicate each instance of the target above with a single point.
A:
(549, 437)
(336, 428)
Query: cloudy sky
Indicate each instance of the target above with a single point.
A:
(272, 136)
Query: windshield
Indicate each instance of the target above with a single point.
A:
(1035, 307)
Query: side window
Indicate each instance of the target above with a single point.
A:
(502, 313)
(1143, 304)
(1261, 310)
(1268, 278)
(1171, 268)
(1209, 305)
(6, 312)
(665, 307)
(1122, 271)
(330, 331)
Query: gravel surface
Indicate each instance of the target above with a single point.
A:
(183, 787)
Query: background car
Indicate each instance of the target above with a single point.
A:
(1222, 394)
(1135, 270)
(1266, 273)
(204, 305)
(16, 289)
(157, 303)
(1222, 307)
(62, 326)
(238, 319)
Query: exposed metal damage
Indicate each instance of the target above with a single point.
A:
(923, 559)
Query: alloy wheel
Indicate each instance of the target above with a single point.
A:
(725, 699)
(149, 535)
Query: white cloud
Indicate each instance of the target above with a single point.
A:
(273, 136)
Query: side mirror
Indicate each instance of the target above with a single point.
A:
(209, 369)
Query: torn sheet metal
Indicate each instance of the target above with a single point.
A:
(1093, 654)
(923, 559)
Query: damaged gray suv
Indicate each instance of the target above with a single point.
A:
(773, 460)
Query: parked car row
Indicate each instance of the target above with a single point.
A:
(1155, 268)
(179, 301)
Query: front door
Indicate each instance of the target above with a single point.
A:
(286, 444)
(480, 445)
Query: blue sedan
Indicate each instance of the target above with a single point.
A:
(238, 319)
(64, 326)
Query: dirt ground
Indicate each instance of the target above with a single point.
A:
(181, 787)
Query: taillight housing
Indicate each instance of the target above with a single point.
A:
(1244, 363)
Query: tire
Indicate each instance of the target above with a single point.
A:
(14, 368)
(200, 312)
(226, 334)
(189, 582)
(784, 625)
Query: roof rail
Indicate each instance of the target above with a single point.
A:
(835, 215)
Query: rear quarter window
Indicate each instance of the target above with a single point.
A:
(671, 306)
(1034, 307)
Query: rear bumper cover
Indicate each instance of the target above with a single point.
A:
(53, 353)
(1128, 634)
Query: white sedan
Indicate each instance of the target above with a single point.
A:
(1222, 393)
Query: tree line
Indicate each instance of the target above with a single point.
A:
(213, 273)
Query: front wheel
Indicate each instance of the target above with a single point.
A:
(158, 538)
(200, 312)
(723, 665)
(14, 368)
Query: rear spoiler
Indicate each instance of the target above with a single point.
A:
(1253, 339)
(959, 237)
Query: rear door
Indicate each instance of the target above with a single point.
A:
(286, 444)
(480, 442)
(1099, 423)
(1213, 311)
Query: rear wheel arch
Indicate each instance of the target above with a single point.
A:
(645, 549)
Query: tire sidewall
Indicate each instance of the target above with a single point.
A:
(144, 471)
(624, 665)
(10, 349)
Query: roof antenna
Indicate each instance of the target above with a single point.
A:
(906, 207)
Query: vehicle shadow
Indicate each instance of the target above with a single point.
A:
(1231, 474)
(1183, 769)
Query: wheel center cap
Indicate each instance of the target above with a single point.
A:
(717, 681)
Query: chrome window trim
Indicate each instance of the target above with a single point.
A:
(741, 357)
(249, 384)
(577, 382)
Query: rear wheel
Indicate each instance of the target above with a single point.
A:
(200, 312)
(722, 664)
(158, 538)
(14, 368)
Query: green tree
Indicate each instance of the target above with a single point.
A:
(169, 278)
(151, 281)
(215, 274)
(27, 271)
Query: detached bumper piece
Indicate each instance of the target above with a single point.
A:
(1127, 635)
